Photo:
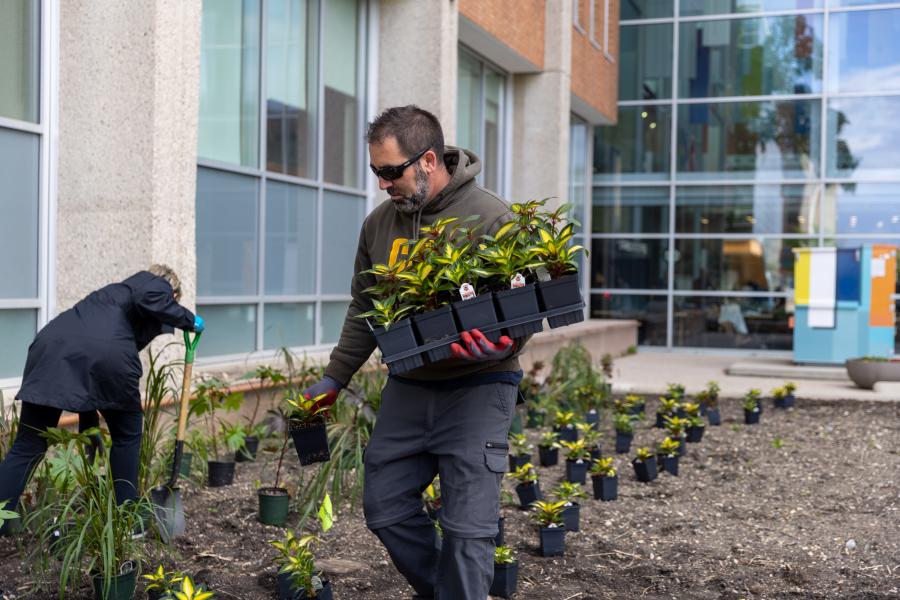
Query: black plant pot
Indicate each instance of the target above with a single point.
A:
(121, 587)
(567, 433)
(519, 303)
(528, 493)
(498, 539)
(637, 409)
(286, 593)
(786, 402)
(273, 505)
(592, 417)
(506, 578)
(713, 416)
(660, 421)
(518, 460)
(645, 471)
(433, 326)
(595, 453)
(703, 409)
(310, 441)
(571, 517)
(623, 442)
(669, 464)
(248, 452)
(553, 541)
(548, 456)
(695, 434)
(535, 419)
(751, 417)
(397, 339)
(477, 313)
(559, 293)
(576, 471)
(606, 488)
(220, 472)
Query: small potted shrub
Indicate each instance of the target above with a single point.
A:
(677, 428)
(307, 426)
(675, 391)
(519, 451)
(783, 397)
(709, 403)
(274, 501)
(667, 408)
(605, 480)
(265, 376)
(564, 425)
(298, 578)
(506, 572)
(632, 404)
(644, 464)
(667, 451)
(548, 449)
(173, 585)
(222, 440)
(576, 461)
(569, 494)
(624, 424)
(696, 425)
(560, 258)
(393, 329)
(752, 408)
(527, 486)
(591, 438)
(548, 516)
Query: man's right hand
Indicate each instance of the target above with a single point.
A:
(327, 386)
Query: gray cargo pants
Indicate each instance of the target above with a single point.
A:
(459, 433)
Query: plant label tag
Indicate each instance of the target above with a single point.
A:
(517, 281)
(466, 291)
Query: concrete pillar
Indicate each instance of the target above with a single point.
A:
(128, 102)
(417, 57)
(542, 103)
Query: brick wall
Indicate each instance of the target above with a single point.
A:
(595, 78)
(517, 23)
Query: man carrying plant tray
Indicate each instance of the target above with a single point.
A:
(450, 417)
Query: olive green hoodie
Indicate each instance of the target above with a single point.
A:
(383, 233)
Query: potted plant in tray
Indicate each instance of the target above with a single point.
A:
(668, 407)
(591, 438)
(569, 494)
(605, 479)
(559, 256)
(644, 464)
(624, 424)
(506, 572)
(632, 404)
(577, 457)
(783, 397)
(221, 439)
(527, 488)
(667, 451)
(306, 420)
(696, 425)
(548, 449)
(274, 501)
(709, 403)
(564, 426)
(519, 450)
(752, 406)
(298, 578)
(548, 516)
(677, 428)
(264, 376)
(173, 585)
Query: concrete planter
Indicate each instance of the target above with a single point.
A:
(866, 373)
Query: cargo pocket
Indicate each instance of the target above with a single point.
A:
(495, 456)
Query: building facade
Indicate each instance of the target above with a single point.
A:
(225, 138)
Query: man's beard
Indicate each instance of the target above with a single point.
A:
(417, 199)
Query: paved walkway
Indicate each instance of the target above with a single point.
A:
(649, 372)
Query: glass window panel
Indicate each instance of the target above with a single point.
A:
(288, 325)
(637, 148)
(333, 314)
(290, 239)
(893, 240)
(579, 133)
(342, 218)
(629, 264)
(649, 310)
(862, 208)
(746, 209)
(645, 9)
(836, 3)
(291, 90)
(862, 137)
(18, 327)
(20, 177)
(227, 233)
(343, 137)
(736, 323)
(645, 56)
(631, 210)
(20, 26)
(493, 129)
(751, 265)
(863, 52)
(468, 94)
(711, 7)
(229, 82)
(748, 140)
(750, 57)
(230, 329)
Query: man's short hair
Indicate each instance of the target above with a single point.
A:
(415, 129)
(168, 273)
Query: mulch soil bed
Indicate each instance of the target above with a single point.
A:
(804, 505)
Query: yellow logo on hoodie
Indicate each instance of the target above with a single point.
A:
(397, 247)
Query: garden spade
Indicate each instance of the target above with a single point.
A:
(167, 498)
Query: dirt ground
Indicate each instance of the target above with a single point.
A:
(804, 505)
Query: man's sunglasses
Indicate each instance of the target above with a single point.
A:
(390, 173)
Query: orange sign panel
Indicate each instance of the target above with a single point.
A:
(883, 272)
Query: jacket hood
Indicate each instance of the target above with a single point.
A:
(463, 166)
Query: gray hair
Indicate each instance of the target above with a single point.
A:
(167, 273)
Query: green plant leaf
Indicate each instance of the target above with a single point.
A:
(326, 516)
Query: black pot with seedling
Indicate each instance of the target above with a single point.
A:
(519, 304)
(576, 461)
(564, 426)
(783, 397)
(548, 449)
(624, 424)
(519, 451)
(605, 480)
(398, 345)
(548, 516)
(220, 472)
(645, 468)
(535, 419)
(434, 326)
(667, 408)
(752, 407)
(561, 293)
(569, 494)
(506, 572)
(667, 453)
(592, 418)
(695, 424)
(121, 586)
(527, 487)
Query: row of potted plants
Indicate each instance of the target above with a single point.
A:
(454, 278)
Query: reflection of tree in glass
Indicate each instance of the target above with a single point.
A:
(844, 159)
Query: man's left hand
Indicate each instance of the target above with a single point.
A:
(474, 346)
